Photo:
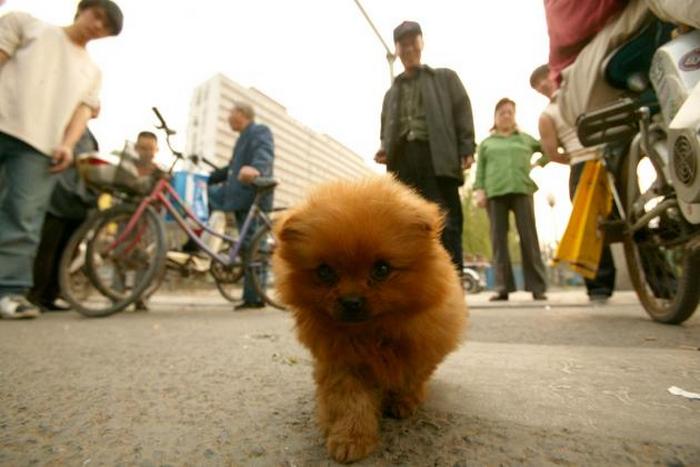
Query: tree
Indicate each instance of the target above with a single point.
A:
(475, 235)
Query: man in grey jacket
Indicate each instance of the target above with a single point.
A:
(427, 133)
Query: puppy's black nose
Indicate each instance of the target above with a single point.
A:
(352, 304)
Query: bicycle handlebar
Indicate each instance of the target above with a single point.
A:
(169, 132)
(163, 125)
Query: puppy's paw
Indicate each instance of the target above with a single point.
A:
(401, 408)
(349, 449)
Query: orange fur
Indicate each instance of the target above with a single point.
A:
(376, 339)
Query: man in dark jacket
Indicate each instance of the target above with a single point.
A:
(427, 133)
(253, 155)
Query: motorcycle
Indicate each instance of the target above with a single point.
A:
(472, 281)
(650, 146)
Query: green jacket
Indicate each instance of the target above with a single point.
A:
(503, 164)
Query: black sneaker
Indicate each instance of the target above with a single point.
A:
(539, 296)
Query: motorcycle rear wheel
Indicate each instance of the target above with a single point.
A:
(663, 269)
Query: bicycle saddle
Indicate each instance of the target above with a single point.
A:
(264, 183)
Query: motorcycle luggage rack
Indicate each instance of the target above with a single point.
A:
(616, 122)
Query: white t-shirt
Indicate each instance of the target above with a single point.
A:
(43, 82)
(565, 133)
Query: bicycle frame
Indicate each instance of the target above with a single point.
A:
(159, 196)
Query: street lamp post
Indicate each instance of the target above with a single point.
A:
(552, 201)
(390, 56)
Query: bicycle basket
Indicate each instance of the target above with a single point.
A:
(113, 172)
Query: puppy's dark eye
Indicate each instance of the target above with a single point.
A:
(380, 271)
(326, 274)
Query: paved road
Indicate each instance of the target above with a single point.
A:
(193, 383)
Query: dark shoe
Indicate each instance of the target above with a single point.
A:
(247, 305)
(190, 246)
(141, 305)
(499, 297)
(46, 305)
(53, 306)
(539, 296)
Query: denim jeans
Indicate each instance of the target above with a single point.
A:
(25, 189)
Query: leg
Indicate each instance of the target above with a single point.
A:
(676, 11)
(533, 267)
(54, 237)
(414, 167)
(498, 215)
(250, 295)
(348, 412)
(583, 87)
(403, 403)
(450, 202)
(23, 203)
(45, 257)
(603, 284)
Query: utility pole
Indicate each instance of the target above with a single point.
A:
(390, 56)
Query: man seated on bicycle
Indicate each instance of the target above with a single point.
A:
(147, 148)
(230, 188)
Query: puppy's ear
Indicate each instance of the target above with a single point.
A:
(428, 219)
(291, 228)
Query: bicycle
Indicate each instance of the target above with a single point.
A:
(125, 246)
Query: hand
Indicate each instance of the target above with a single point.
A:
(380, 157)
(61, 158)
(480, 198)
(467, 161)
(247, 174)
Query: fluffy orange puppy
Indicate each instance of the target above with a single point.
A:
(376, 300)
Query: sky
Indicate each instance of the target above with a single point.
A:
(321, 60)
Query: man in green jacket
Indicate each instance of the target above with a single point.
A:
(427, 132)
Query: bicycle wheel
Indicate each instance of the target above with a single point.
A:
(662, 268)
(228, 278)
(76, 287)
(260, 254)
(123, 267)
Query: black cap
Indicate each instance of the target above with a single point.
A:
(114, 14)
(406, 28)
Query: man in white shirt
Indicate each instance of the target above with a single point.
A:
(555, 133)
(49, 89)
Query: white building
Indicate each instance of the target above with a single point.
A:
(303, 158)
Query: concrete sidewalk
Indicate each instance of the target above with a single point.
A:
(556, 298)
(574, 297)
